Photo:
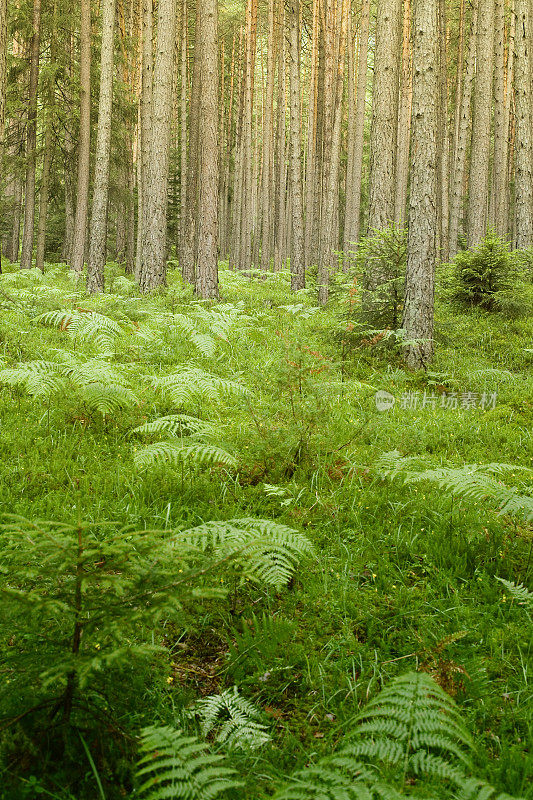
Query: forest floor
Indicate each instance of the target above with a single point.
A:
(404, 575)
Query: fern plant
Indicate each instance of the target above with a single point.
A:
(96, 384)
(519, 593)
(411, 734)
(231, 720)
(473, 481)
(174, 766)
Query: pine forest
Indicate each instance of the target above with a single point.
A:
(266, 399)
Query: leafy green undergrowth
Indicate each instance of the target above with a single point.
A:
(163, 414)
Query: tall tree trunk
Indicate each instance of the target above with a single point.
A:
(188, 237)
(31, 141)
(354, 187)
(153, 272)
(404, 120)
(420, 278)
(498, 202)
(268, 144)
(84, 152)
(145, 130)
(481, 126)
(297, 252)
(3, 74)
(98, 238)
(245, 255)
(183, 124)
(207, 262)
(311, 162)
(281, 172)
(523, 151)
(384, 118)
(463, 126)
(443, 147)
(44, 193)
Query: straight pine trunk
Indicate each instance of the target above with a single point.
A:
(84, 151)
(31, 141)
(478, 195)
(297, 251)
(523, 147)
(207, 263)
(420, 278)
(98, 237)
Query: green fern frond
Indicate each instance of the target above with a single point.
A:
(232, 720)
(473, 481)
(519, 592)
(266, 552)
(191, 382)
(177, 425)
(474, 789)
(180, 452)
(175, 766)
(39, 378)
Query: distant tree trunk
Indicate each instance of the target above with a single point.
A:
(44, 193)
(498, 199)
(145, 130)
(297, 252)
(188, 236)
(384, 118)
(281, 171)
(404, 120)
(355, 186)
(153, 272)
(311, 162)
(420, 278)
(31, 141)
(443, 147)
(98, 238)
(336, 43)
(183, 126)
(461, 144)
(268, 144)
(207, 262)
(3, 52)
(245, 255)
(478, 195)
(523, 147)
(84, 151)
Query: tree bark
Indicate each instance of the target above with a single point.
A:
(523, 147)
(297, 252)
(84, 152)
(98, 238)
(420, 278)
(478, 195)
(404, 121)
(153, 271)
(207, 261)
(463, 126)
(31, 141)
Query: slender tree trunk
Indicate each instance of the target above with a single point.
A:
(207, 264)
(384, 118)
(498, 204)
(31, 141)
(523, 151)
(98, 238)
(297, 252)
(443, 204)
(245, 255)
(420, 278)
(183, 124)
(281, 172)
(188, 238)
(268, 144)
(355, 187)
(464, 117)
(153, 272)
(311, 162)
(44, 193)
(404, 120)
(84, 152)
(3, 75)
(481, 126)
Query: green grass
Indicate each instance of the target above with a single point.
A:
(404, 577)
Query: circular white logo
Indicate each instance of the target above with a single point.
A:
(384, 401)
